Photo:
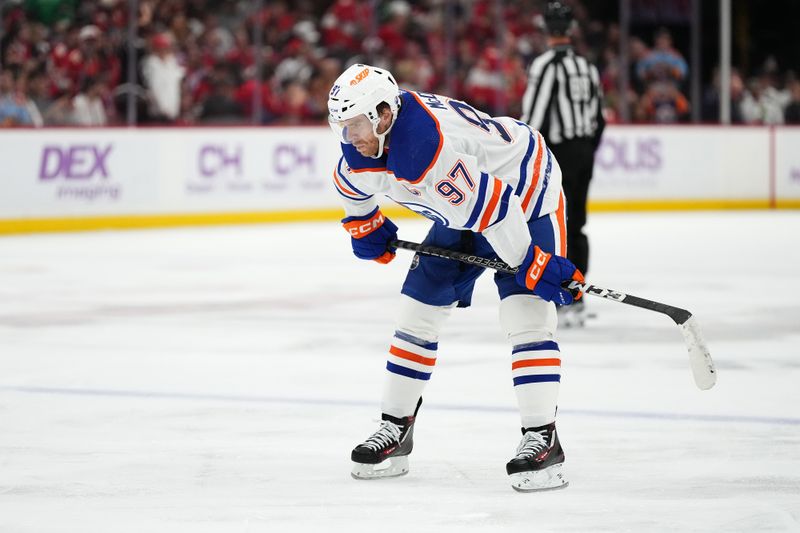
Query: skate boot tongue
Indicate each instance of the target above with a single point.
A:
(389, 433)
(532, 444)
(402, 422)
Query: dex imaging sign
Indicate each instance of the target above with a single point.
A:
(81, 171)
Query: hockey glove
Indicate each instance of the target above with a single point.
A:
(370, 236)
(544, 273)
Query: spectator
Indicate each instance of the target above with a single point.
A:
(344, 26)
(13, 107)
(394, 33)
(663, 103)
(762, 103)
(710, 106)
(221, 105)
(433, 46)
(638, 53)
(296, 105)
(162, 76)
(663, 62)
(484, 87)
(792, 112)
(23, 98)
(245, 93)
(414, 71)
(88, 106)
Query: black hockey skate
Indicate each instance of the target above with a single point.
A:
(539, 460)
(385, 453)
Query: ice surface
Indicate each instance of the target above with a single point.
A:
(216, 379)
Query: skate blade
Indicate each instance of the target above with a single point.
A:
(551, 478)
(391, 467)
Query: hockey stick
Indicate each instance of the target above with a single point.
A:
(705, 375)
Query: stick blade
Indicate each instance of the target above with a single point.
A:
(705, 375)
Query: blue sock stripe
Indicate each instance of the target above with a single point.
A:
(540, 378)
(536, 347)
(416, 341)
(407, 372)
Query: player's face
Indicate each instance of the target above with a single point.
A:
(358, 132)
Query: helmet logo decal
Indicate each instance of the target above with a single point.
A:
(360, 77)
(335, 90)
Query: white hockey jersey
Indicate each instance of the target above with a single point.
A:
(458, 167)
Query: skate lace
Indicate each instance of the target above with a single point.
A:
(532, 444)
(388, 432)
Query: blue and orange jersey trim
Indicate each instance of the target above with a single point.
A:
(527, 187)
(345, 187)
(491, 204)
(416, 141)
(546, 181)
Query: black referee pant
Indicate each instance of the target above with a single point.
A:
(576, 159)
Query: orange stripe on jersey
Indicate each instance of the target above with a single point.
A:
(537, 166)
(487, 215)
(410, 356)
(342, 187)
(376, 169)
(535, 362)
(562, 226)
(441, 138)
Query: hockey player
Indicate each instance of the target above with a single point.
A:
(492, 188)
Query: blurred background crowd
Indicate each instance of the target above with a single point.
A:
(186, 62)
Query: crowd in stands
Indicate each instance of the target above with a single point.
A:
(65, 62)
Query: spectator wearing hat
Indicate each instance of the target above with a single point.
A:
(162, 77)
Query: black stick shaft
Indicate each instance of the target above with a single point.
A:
(678, 315)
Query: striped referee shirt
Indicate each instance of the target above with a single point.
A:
(563, 97)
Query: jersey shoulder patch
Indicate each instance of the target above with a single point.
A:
(416, 139)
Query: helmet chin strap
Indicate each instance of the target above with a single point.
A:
(381, 141)
(382, 136)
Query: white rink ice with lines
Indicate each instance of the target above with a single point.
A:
(216, 379)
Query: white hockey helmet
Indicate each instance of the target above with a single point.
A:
(359, 91)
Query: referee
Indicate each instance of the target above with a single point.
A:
(563, 101)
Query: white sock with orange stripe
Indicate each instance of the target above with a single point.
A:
(412, 355)
(536, 370)
(408, 369)
(530, 323)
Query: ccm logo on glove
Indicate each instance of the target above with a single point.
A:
(537, 268)
(370, 236)
(543, 273)
(359, 229)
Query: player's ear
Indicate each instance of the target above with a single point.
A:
(385, 114)
(385, 111)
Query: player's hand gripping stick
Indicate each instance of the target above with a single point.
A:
(371, 236)
(544, 274)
